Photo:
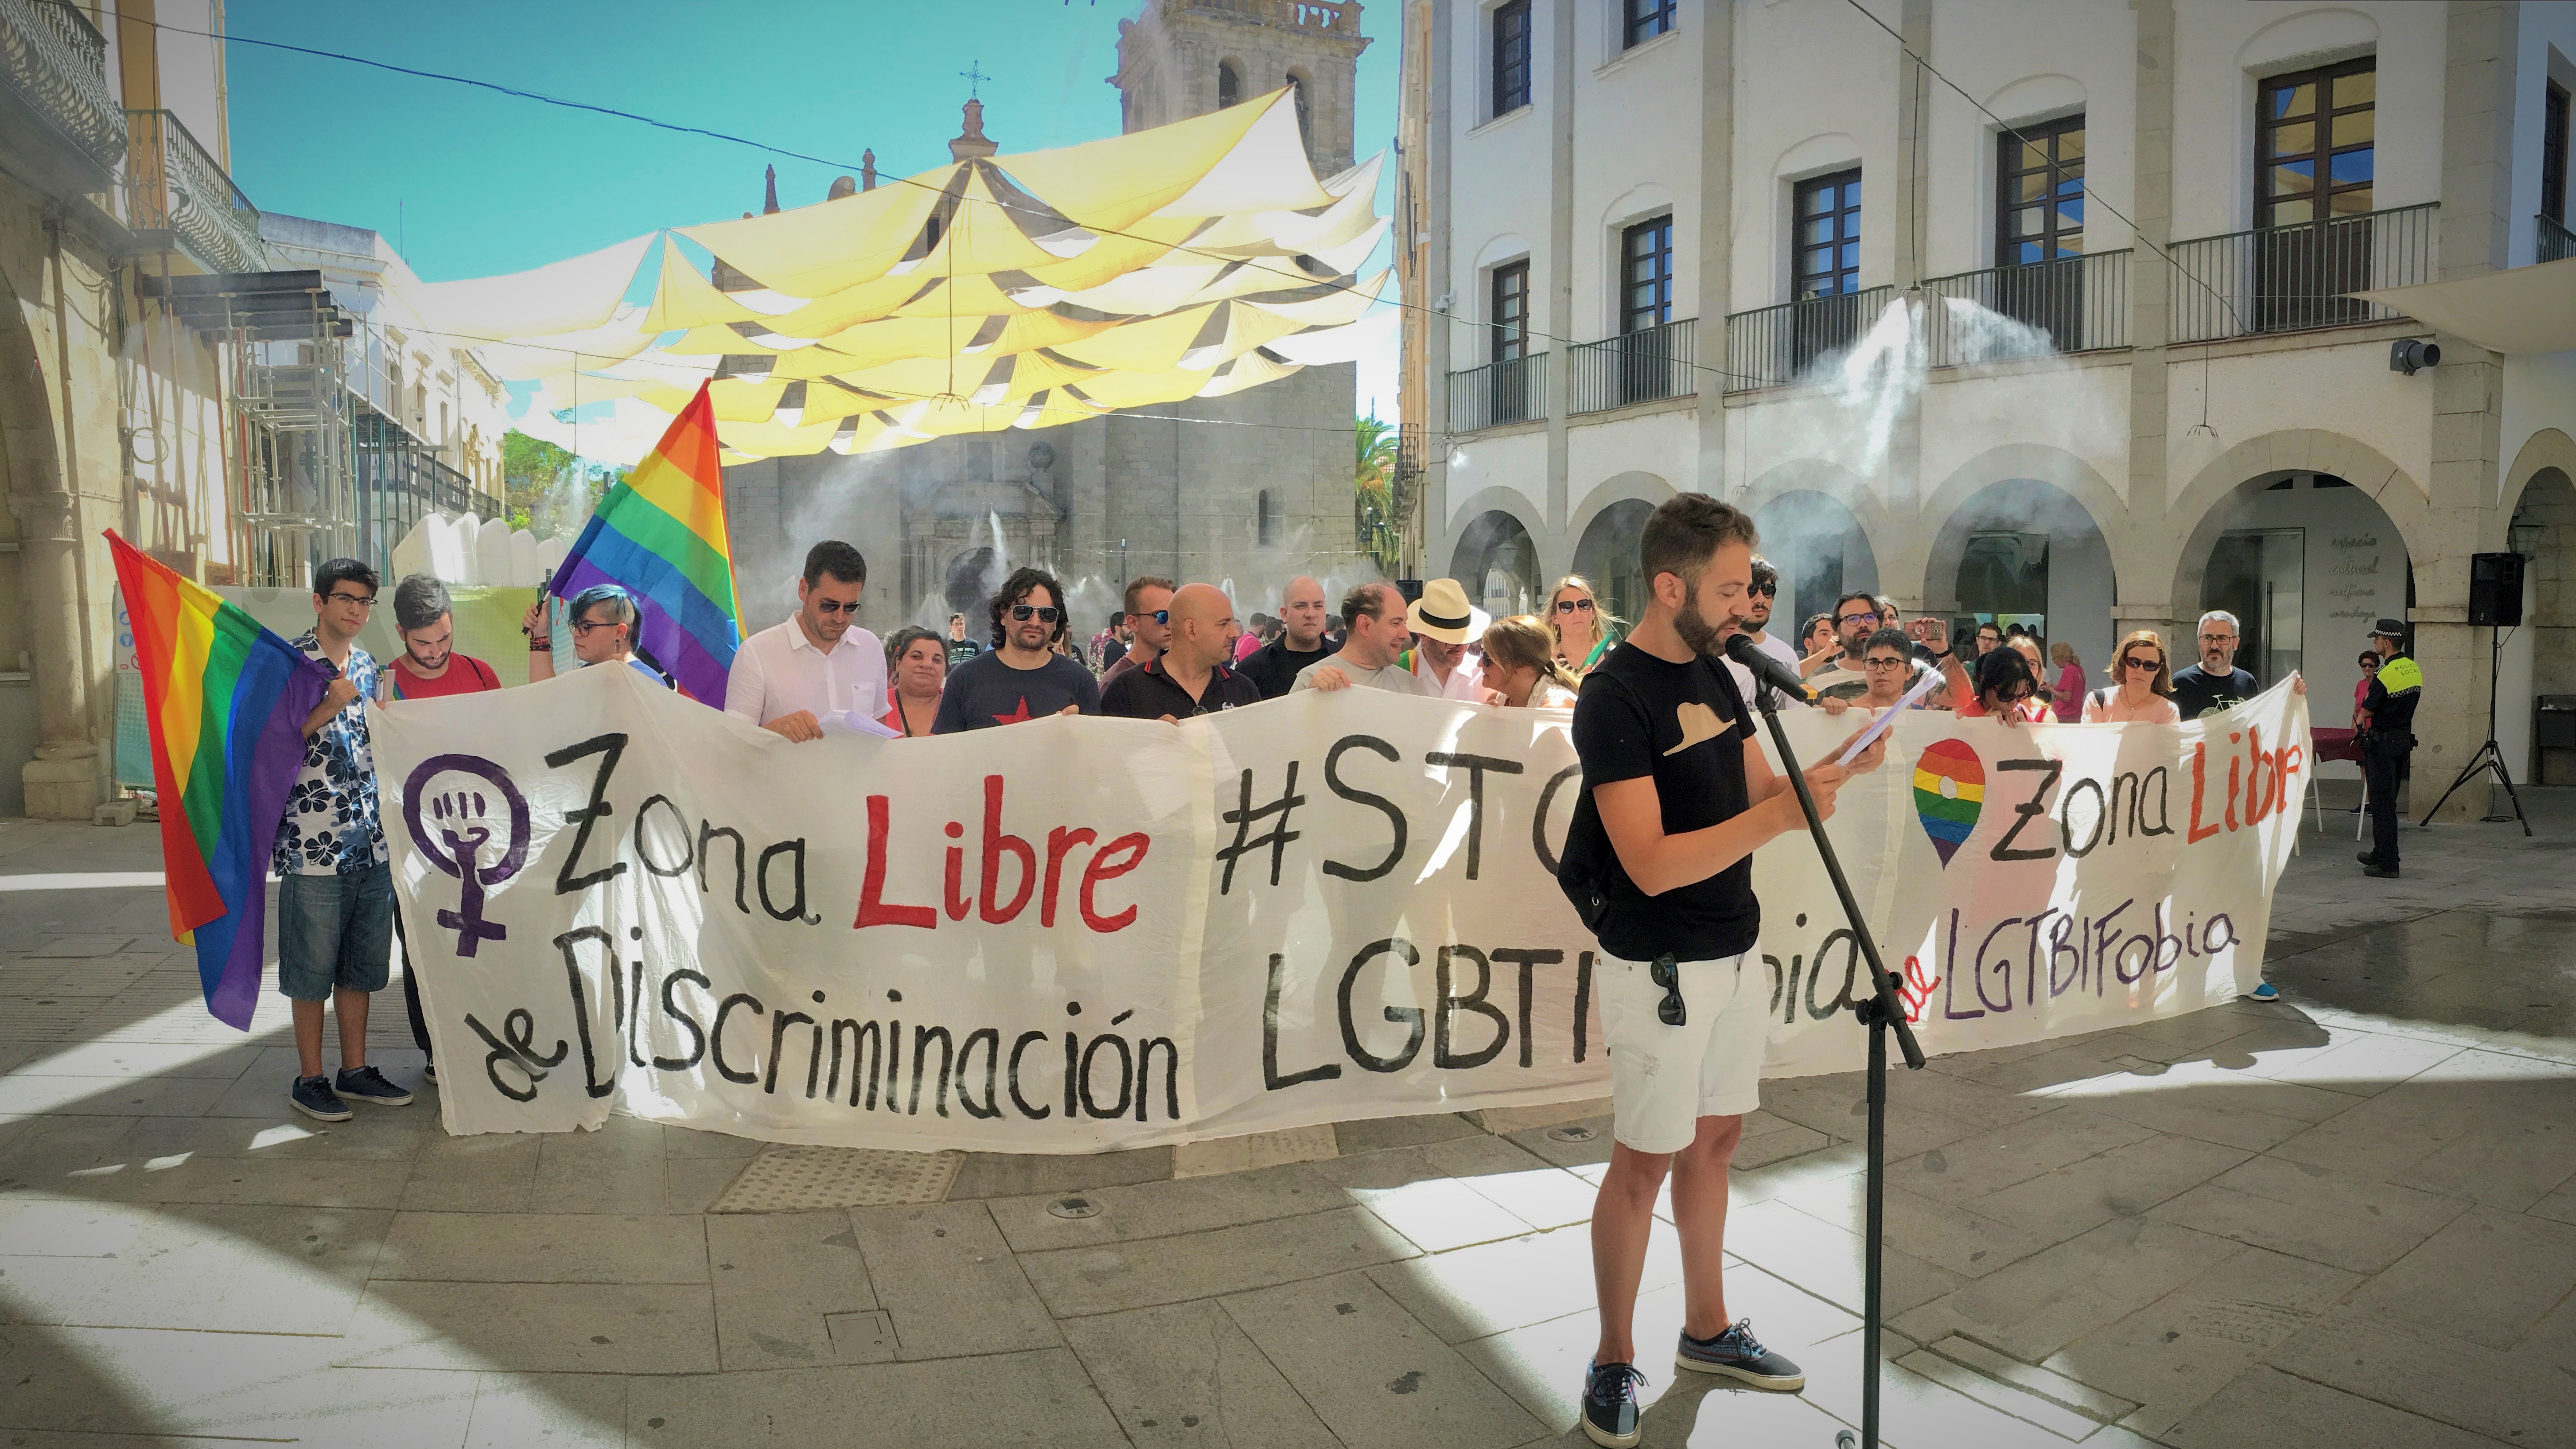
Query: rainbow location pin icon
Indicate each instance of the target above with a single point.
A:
(1949, 791)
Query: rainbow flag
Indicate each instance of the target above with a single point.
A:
(661, 536)
(226, 702)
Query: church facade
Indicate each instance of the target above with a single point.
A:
(1245, 491)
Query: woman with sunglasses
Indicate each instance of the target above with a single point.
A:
(1520, 666)
(1021, 677)
(1584, 630)
(2361, 689)
(2141, 685)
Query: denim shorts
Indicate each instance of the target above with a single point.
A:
(335, 931)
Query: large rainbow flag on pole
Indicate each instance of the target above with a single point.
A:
(661, 536)
(226, 702)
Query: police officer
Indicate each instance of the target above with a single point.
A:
(2390, 704)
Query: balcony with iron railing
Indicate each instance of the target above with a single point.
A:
(1498, 394)
(1775, 346)
(2298, 278)
(1650, 364)
(2557, 243)
(2069, 304)
(57, 111)
(173, 186)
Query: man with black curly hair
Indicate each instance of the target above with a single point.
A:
(1021, 677)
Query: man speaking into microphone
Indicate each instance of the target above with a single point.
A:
(1658, 861)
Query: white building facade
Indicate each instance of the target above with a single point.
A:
(2056, 327)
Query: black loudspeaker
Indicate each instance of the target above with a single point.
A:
(2495, 590)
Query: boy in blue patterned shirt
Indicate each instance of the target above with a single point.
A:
(335, 895)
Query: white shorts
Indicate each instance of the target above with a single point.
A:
(1663, 1079)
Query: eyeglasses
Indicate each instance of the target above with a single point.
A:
(1568, 606)
(1883, 662)
(2217, 638)
(2014, 696)
(835, 606)
(1768, 591)
(582, 627)
(1665, 974)
(1868, 618)
(1043, 613)
(2138, 661)
(366, 602)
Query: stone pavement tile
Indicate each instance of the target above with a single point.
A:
(2268, 1409)
(1165, 1209)
(999, 1174)
(1946, 1235)
(1835, 1107)
(2521, 1395)
(1114, 1276)
(2559, 1206)
(1993, 1393)
(1380, 1133)
(52, 1020)
(2363, 1063)
(1778, 1179)
(105, 978)
(2186, 1102)
(2505, 1142)
(2487, 1277)
(616, 1169)
(258, 1386)
(1595, 1148)
(2123, 1182)
(73, 946)
(307, 1182)
(1824, 1258)
(491, 1173)
(115, 1265)
(1537, 1192)
(117, 1059)
(949, 1281)
(2048, 1384)
(2081, 1060)
(1998, 1157)
(2033, 1308)
(1422, 1201)
(548, 1411)
(119, 1096)
(691, 1185)
(1374, 1375)
(1022, 1398)
(1185, 1375)
(1504, 1121)
(2172, 1355)
(394, 1137)
(2175, 1038)
(616, 1328)
(1254, 1150)
(543, 1248)
(1487, 1289)
(260, 1090)
(685, 1143)
(1917, 1412)
(2337, 1218)
(777, 1276)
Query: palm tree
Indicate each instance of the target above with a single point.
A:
(1373, 502)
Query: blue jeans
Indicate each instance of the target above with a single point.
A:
(335, 931)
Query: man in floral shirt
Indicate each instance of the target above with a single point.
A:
(335, 894)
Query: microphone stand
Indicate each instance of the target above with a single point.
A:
(1881, 1011)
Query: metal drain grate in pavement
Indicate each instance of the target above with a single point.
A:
(791, 1179)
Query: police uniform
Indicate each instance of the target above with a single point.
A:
(2390, 701)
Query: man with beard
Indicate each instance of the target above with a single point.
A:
(1658, 862)
(2215, 684)
(1191, 676)
(817, 663)
(1856, 617)
(1021, 677)
(1274, 667)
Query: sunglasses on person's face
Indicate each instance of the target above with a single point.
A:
(1043, 613)
(2138, 661)
(828, 607)
(1568, 606)
(1159, 616)
(1768, 591)
(1667, 975)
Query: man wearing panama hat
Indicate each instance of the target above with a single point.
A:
(1445, 628)
(2391, 702)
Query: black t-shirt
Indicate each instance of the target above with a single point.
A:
(984, 692)
(2197, 692)
(1273, 667)
(1685, 725)
(961, 650)
(1149, 692)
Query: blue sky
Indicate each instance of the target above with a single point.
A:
(467, 182)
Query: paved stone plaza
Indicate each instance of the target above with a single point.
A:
(2348, 1219)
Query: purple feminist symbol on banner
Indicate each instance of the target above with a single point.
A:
(463, 818)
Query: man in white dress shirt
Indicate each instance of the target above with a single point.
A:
(1446, 632)
(818, 662)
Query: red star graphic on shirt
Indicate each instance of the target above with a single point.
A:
(1019, 716)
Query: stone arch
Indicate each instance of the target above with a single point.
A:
(2311, 37)
(1914, 568)
(1817, 520)
(2038, 97)
(1496, 558)
(2546, 449)
(1605, 533)
(2197, 517)
(1229, 82)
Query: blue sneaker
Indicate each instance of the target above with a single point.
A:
(1610, 1405)
(313, 1097)
(2265, 992)
(1738, 1355)
(366, 1084)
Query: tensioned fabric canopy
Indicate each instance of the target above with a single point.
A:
(1196, 259)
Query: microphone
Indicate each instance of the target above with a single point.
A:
(1767, 671)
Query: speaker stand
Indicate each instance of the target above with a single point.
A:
(2490, 756)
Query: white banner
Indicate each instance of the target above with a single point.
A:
(1078, 934)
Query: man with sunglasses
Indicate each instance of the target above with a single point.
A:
(1857, 616)
(1021, 677)
(1191, 678)
(1149, 625)
(1677, 796)
(816, 663)
(1758, 603)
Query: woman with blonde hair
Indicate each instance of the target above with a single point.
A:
(1521, 666)
(2141, 684)
(1583, 631)
(2066, 696)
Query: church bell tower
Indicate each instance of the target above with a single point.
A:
(1183, 58)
